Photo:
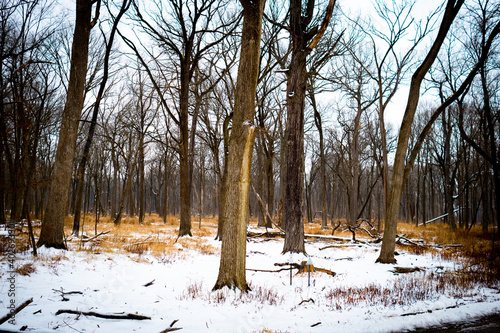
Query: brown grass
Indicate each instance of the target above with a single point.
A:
(26, 269)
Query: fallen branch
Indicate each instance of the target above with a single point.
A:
(105, 316)
(429, 311)
(171, 328)
(265, 208)
(339, 245)
(409, 241)
(141, 242)
(314, 325)
(150, 283)
(440, 246)
(282, 234)
(94, 237)
(63, 293)
(306, 301)
(270, 270)
(403, 270)
(16, 311)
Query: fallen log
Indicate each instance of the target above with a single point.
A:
(16, 311)
(105, 316)
(282, 234)
(403, 270)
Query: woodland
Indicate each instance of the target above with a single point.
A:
(267, 118)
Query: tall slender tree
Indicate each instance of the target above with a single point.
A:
(52, 234)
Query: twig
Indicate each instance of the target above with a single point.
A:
(105, 316)
(314, 325)
(16, 311)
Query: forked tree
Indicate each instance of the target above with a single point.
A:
(402, 164)
(304, 39)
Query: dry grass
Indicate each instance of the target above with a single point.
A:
(26, 269)
(259, 295)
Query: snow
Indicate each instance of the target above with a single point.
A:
(114, 283)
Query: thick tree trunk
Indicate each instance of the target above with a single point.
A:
(237, 178)
(52, 233)
(303, 42)
(294, 174)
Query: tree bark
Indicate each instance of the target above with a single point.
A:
(397, 182)
(303, 42)
(52, 233)
(237, 178)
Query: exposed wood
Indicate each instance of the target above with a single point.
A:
(105, 316)
(16, 311)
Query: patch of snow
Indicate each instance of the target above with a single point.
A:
(182, 290)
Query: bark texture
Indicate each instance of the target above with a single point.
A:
(397, 182)
(236, 186)
(52, 233)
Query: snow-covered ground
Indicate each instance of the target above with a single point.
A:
(362, 297)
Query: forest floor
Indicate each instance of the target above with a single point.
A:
(141, 270)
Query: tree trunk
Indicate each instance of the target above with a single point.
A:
(237, 181)
(303, 42)
(185, 190)
(397, 183)
(52, 233)
(322, 161)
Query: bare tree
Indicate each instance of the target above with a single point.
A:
(186, 40)
(237, 181)
(52, 234)
(304, 39)
(402, 168)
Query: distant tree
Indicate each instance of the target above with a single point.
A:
(186, 38)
